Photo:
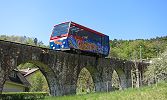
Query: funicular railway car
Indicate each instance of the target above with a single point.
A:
(70, 36)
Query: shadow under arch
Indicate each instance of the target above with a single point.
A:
(85, 83)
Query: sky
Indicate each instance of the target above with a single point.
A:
(120, 19)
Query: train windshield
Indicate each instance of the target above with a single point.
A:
(60, 29)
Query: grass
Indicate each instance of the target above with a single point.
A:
(154, 92)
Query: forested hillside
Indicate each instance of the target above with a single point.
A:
(22, 40)
(130, 49)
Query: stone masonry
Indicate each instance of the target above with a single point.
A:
(61, 69)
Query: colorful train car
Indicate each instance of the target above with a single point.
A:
(70, 36)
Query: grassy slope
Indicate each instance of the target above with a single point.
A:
(154, 92)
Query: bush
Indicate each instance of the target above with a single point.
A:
(23, 95)
(157, 70)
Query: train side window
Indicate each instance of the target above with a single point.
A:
(83, 34)
(73, 30)
(96, 38)
(105, 41)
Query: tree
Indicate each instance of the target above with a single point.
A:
(26, 65)
(115, 81)
(150, 48)
(22, 40)
(37, 80)
(37, 83)
(85, 82)
(157, 71)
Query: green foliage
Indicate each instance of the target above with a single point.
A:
(22, 40)
(85, 82)
(125, 49)
(37, 79)
(157, 71)
(23, 95)
(145, 93)
(37, 83)
(115, 81)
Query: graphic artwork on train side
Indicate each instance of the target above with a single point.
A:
(72, 36)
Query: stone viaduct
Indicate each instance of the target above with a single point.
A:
(61, 69)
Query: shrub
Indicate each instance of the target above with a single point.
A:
(23, 95)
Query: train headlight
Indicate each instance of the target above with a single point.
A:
(62, 46)
(53, 47)
(64, 42)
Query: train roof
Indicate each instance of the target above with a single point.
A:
(83, 27)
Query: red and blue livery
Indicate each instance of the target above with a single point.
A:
(70, 36)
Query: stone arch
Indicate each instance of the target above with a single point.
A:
(44, 70)
(85, 83)
(115, 81)
(122, 78)
(12, 59)
(47, 71)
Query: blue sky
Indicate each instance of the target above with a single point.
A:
(120, 19)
